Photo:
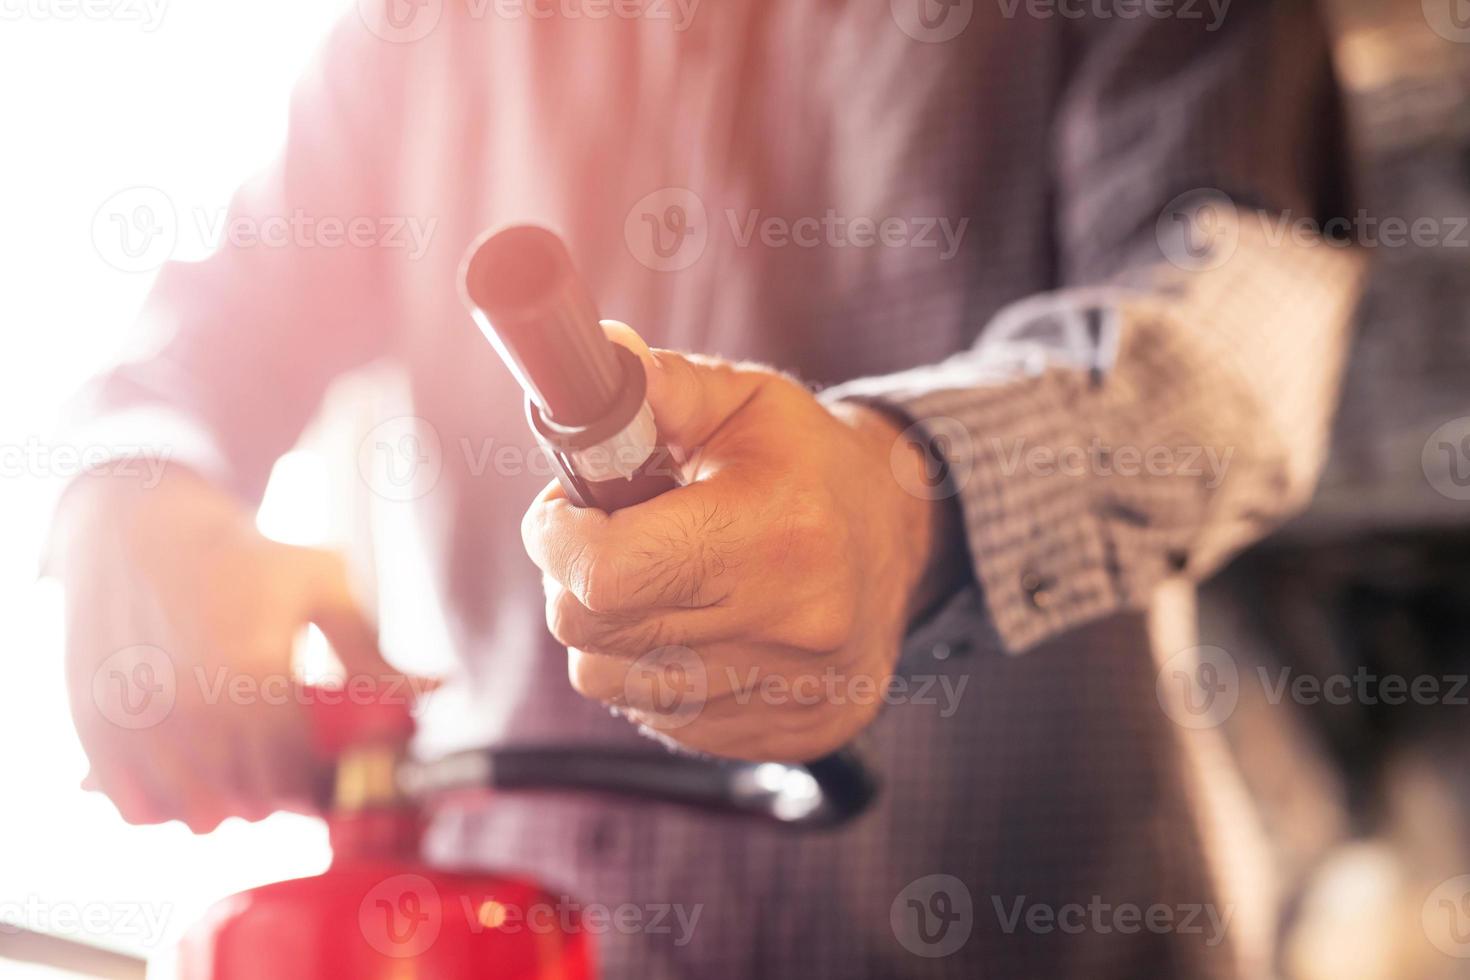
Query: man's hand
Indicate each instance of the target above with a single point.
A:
(758, 611)
(180, 625)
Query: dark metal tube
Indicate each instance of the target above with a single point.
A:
(529, 300)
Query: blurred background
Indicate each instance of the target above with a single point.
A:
(190, 97)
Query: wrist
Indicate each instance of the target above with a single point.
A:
(945, 557)
(928, 528)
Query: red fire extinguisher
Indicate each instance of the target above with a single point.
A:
(379, 913)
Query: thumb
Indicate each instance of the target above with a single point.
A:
(352, 635)
(691, 396)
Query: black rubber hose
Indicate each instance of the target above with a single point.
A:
(825, 793)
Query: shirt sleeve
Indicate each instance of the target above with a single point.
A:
(1170, 401)
(244, 343)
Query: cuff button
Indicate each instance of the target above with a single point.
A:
(1039, 589)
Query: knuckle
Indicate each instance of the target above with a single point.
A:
(531, 527)
(132, 805)
(574, 625)
(599, 583)
(632, 637)
(204, 822)
(822, 622)
(137, 816)
(691, 558)
(809, 530)
(591, 676)
(565, 618)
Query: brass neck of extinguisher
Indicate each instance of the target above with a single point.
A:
(370, 817)
(367, 778)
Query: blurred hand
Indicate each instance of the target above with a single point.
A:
(757, 611)
(181, 619)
